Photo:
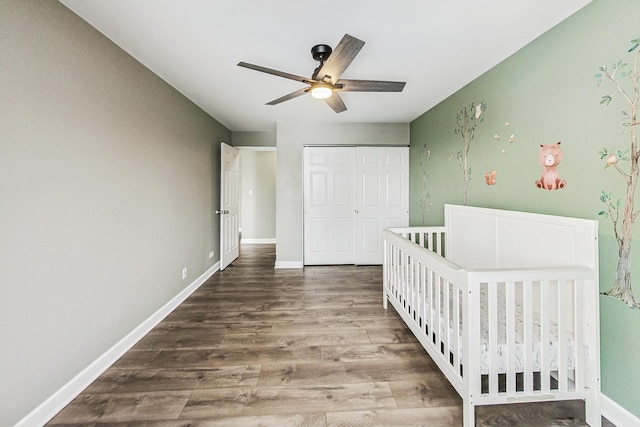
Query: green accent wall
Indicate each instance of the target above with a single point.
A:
(547, 93)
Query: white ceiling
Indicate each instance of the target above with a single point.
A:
(436, 46)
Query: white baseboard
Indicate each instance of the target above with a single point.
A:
(257, 241)
(61, 398)
(289, 264)
(617, 414)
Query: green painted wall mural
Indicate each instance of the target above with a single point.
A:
(543, 94)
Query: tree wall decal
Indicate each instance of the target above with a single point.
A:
(425, 196)
(466, 121)
(625, 83)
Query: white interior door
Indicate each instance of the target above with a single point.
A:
(382, 198)
(229, 185)
(329, 196)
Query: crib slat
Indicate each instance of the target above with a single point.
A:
(580, 368)
(394, 272)
(422, 296)
(400, 274)
(562, 335)
(410, 284)
(492, 339)
(431, 283)
(456, 329)
(414, 283)
(545, 357)
(438, 309)
(405, 278)
(446, 319)
(527, 307)
(439, 244)
(510, 301)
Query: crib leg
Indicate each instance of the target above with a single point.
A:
(384, 300)
(468, 414)
(592, 411)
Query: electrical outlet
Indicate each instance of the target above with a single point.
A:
(184, 273)
(210, 254)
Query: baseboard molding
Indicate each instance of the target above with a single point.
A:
(61, 398)
(289, 264)
(257, 241)
(617, 414)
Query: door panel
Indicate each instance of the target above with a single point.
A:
(394, 181)
(382, 199)
(329, 205)
(229, 187)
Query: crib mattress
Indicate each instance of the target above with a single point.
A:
(502, 351)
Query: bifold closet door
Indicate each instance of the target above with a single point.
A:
(329, 205)
(350, 195)
(382, 198)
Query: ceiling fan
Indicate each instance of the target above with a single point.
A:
(325, 82)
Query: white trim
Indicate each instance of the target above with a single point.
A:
(616, 413)
(289, 264)
(253, 148)
(257, 241)
(61, 398)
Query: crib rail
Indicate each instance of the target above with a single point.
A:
(431, 238)
(532, 341)
(551, 346)
(428, 292)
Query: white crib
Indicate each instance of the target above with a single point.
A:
(506, 304)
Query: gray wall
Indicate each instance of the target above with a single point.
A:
(108, 183)
(258, 194)
(253, 139)
(291, 137)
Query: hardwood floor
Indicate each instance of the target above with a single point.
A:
(255, 346)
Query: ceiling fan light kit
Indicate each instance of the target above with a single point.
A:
(321, 90)
(325, 83)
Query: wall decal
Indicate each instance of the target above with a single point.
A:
(490, 177)
(425, 196)
(549, 157)
(621, 211)
(512, 137)
(466, 121)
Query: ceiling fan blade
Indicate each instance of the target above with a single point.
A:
(335, 102)
(290, 96)
(369, 86)
(275, 72)
(340, 59)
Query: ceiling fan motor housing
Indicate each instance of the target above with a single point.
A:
(321, 52)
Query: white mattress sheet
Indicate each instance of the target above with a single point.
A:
(502, 353)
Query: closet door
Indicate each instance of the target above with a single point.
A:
(382, 198)
(329, 205)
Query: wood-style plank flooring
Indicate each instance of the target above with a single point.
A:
(255, 346)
